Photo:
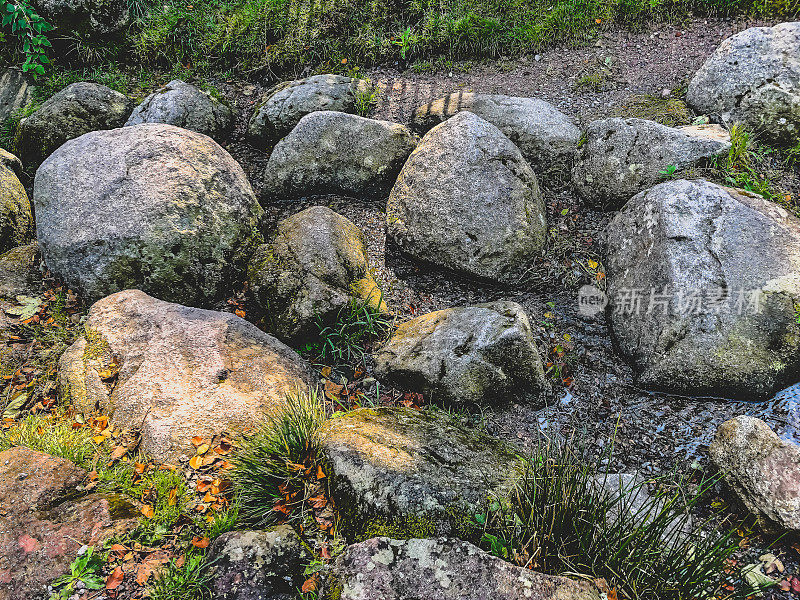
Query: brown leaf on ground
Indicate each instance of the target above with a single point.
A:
(115, 579)
(200, 542)
(148, 511)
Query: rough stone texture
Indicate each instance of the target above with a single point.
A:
(153, 207)
(726, 265)
(183, 105)
(762, 469)
(337, 153)
(42, 525)
(754, 78)
(478, 355)
(15, 93)
(621, 157)
(182, 371)
(16, 221)
(258, 565)
(314, 267)
(408, 473)
(77, 109)
(19, 272)
(546, 137)
(444, 569)
(87, 18)
(290, 101)
(467, 200)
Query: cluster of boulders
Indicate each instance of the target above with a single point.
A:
(143, 212)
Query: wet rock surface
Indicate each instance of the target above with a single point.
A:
(446, 569)
(470, 356)
(45, 520)
(178, 372)
(407, 473)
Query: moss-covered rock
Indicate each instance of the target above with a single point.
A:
(409, 473)
(153, 207)
(333, 152)
(77, 109)
(16, 221)
(475, 355)
(19, 271)
(89, 19)
(311, 270)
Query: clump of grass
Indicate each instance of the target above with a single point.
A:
(366, 99)
(52, 435)
(562, 519)
(667, 111)
(271, 464)
(356, 324)
(188, 581)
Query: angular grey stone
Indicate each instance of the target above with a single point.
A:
(77, 109)
(476, 355)
(762, 469)
(621, 157)
(313, 268)
(183, 105)
(182, 371)
(290, 101)
(412, 473)
(337, 153)
(466, 200)
(152, 206)
(703, 284)
(15, 93)
(258, 565)
(87, 18)
(444, 569)
(546, 137)
(754, 78)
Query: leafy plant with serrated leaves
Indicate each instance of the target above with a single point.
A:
(86, 568)
(28, 307)
(31, 29)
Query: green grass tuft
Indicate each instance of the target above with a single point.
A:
(188, 581)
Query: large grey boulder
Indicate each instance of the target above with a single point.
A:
(444, 569)
(288, 102)
(336, 153)
(314, 267)
(176, 372)
(15, 93)
(476, 355)
(87, 18)
(258, 565)
(762, 469)
(703, 287)
(152, 206)
(621, 157)
(408, 473)
(546, 137)
(754, 78)
(466, 200)
(77, 109)
(183, 105)
(16, 220)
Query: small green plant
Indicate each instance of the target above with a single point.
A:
(30, 28)
(405, 40)
(86, 569)
(357, 323)
(366, 98)
(563, 518)
(188, 581)
(668, 172)
(224, 520)
(271, 463)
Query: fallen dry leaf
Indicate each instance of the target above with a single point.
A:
(115, 579)
(147, 511)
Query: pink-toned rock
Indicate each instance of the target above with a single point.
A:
(762, 469)
(44, 520)
(183, 372)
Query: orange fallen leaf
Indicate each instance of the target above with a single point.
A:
(173, 497)
(148, 511)
(115, 579)
(200, 542)
(196, 441)
(139, 468)
(98, 439)
(310, 584)
(239, 313)
(143, 572)
(320, 473)
(203, 448)
(318, 501)
(118, 453)
(196, 462)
